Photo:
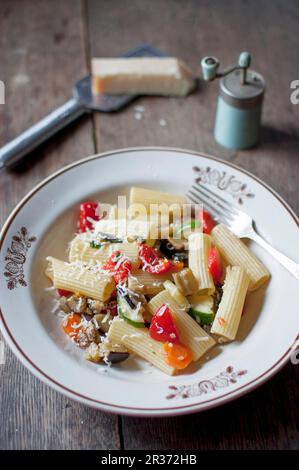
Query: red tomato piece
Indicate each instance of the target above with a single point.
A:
(215, 265)
(88, 212)
(152, 262)
(208, 223)
(64, 293)
(162, 327)
(119, 266)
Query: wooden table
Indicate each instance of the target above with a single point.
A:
(45, 46)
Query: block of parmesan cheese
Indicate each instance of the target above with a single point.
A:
(141, 76)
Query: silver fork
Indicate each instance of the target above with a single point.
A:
(238, 222)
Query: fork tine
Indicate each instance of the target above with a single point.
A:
(220, 200)
(206, 198)
(219, 216)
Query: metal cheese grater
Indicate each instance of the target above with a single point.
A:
(239, 109)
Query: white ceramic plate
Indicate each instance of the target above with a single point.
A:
(43, 223)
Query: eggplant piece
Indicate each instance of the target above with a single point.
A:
(116, 356)
(217, 296)
(77, 304)
(166, 248)
(172, 252)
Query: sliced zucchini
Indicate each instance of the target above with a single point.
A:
(190, 227)
(126, 311)
(202, 308)
(177, 295)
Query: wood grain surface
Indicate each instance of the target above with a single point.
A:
(45, 47)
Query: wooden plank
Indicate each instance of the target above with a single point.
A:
(191, 30)
(42, 53)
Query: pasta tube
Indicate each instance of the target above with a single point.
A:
(199, 246)
(139, 342)
(80, 250)
(236, 253)
(228, 316)
(77, 278)
(147, 283)
(49, 271)
(177, 295)
(129, 250)
(191, 334)
(186, 282)
(148, 197)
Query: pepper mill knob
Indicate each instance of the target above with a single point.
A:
(210, 64)
(209, 67)
(244, 60)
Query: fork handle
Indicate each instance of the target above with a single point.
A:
(284, 260)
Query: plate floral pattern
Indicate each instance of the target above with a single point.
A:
(16, 258)
(223, 181)
(223, 380)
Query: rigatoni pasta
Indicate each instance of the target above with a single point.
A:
(77, 278)
(186, 281)
(236, 253)
(85, 251)
(147, 283)
(199, 246)
(80, 250)
(228, 316)
(146, 197)
(140, 343)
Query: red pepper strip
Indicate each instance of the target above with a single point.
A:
(215, 265)
(152, 262)
(64, 293)
(119, 266)
(88, 210)
(207, 220)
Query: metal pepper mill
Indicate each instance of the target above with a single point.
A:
(239, 109)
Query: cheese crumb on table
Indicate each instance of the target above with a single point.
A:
(138, 116)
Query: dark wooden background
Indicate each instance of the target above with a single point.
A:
(44, 47)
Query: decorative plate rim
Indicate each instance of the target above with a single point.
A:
(184, 409)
